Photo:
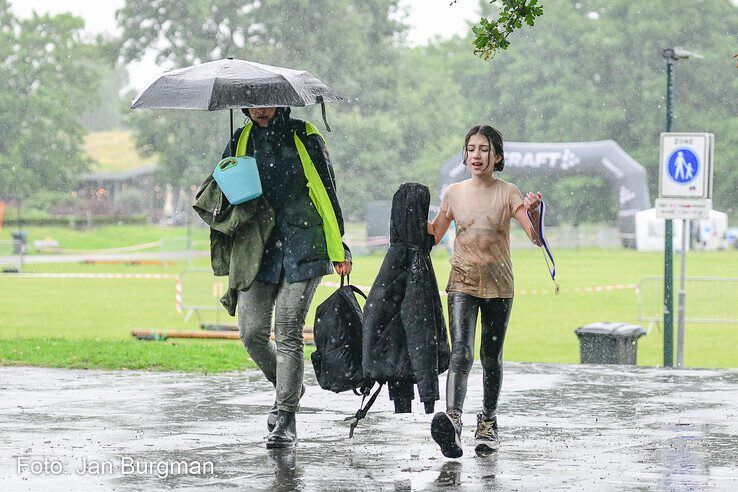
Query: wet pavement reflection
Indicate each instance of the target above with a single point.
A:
(563, 426)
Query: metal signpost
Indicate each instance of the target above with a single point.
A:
(671, 56)
(685, 192)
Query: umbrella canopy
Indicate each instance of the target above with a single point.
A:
(232, 84)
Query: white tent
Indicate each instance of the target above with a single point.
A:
(710, 233)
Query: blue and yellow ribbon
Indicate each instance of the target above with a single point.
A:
(547, 254)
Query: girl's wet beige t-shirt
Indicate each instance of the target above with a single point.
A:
(480, 264)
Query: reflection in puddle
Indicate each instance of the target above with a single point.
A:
(450, 474)
(284, 464)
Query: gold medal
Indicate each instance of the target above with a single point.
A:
(557, 289)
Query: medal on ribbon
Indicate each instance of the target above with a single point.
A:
(547, 255)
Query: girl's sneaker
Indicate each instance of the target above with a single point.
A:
(486, 437)
(446, 431)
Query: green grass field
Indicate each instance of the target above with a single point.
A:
(113, 151)
(86, 323)
(104, 237)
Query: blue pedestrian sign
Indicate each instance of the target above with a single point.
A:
(683, 165)
(686, 165)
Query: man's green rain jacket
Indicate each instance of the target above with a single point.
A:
(238, 234)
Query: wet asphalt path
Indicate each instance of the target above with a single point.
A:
(561, 426)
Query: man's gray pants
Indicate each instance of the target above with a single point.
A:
(283, 362)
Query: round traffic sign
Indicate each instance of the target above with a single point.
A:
(683, 165)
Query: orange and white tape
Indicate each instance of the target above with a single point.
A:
(178, 295)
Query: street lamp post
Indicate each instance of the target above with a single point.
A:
(672, 55)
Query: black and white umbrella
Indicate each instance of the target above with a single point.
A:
(234, 84)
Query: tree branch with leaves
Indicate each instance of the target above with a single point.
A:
(491, 35)
(48, 82)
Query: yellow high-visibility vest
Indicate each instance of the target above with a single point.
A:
(316, 190)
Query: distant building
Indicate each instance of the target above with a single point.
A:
(119, 190)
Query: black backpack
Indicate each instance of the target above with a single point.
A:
(337, 358)
(337, 331)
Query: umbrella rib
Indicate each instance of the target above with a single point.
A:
(212, 86)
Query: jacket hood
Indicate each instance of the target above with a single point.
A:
(409, 221)
(405, 340)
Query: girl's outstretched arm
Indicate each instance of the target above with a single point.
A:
(438, 226)
(530, 204)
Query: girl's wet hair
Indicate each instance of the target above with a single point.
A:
(494, 137)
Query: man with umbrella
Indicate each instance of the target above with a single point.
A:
(298, 183)
(296, 256)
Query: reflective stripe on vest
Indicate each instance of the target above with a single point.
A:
(316, 190)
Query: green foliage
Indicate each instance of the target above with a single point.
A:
(191, 143)
(106, 115)
(349, 45)
(588, 71)
(491, 36)
(188, 143)
(575, 200)
(47, 84)
(45, 200)
(593, 71)
(133, 201)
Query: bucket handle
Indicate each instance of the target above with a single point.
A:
(227, 163)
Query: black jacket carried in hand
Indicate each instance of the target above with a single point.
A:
(405, 341)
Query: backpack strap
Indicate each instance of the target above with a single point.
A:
(357, 290)
(354, 288)
(362, 411)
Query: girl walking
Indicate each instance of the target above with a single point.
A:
(481, 281)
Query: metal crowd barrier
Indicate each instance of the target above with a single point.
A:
(199, 290)
(175, 248)
(708, 299)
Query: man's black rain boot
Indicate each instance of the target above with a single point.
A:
(272, 417)
(284, 434)
(446, 431)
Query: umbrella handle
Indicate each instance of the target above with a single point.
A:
(322, 108)
(230, 141)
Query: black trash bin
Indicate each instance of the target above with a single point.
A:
(609, 343)
(20, 243)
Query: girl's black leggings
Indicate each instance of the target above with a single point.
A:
(463, 309)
